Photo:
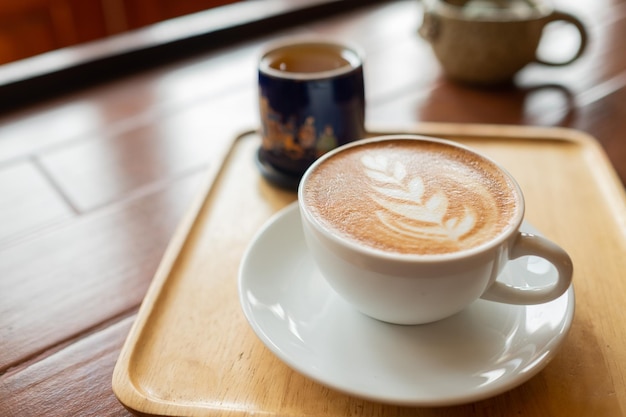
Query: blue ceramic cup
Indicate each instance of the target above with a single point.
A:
(311, 99)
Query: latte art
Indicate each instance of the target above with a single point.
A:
(403, 207)
(411, 196)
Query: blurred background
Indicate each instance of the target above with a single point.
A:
(31, 27)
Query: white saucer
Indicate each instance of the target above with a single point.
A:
(485, 350)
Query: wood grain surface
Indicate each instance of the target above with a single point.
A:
(94, 182)
(191, 351)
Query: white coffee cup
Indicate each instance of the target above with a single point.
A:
(412, 230)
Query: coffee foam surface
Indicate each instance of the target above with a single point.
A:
(411, 197)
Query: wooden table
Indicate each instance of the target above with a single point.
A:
(94, 181)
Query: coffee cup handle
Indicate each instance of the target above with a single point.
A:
(528, 244)
(566, 17)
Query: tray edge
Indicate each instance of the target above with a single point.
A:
(133, 399)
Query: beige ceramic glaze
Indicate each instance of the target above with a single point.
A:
(489, 43)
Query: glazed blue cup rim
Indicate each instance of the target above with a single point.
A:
(352, 53)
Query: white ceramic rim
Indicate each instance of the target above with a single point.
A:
(352, 54)
(370, 252)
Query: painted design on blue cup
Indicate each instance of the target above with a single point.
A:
(311, 99)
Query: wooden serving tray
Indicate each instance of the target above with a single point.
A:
(191, 351)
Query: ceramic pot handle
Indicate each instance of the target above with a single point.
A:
(566, 17)
(529, 244)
